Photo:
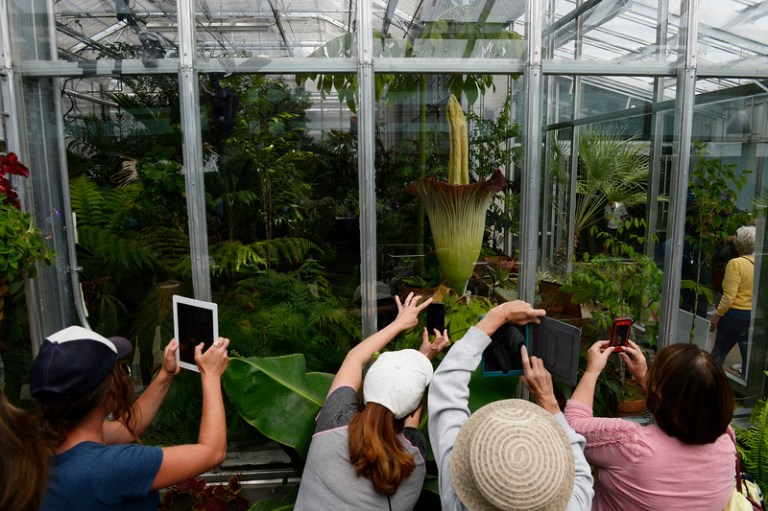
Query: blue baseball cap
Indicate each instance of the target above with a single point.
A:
(73, 362)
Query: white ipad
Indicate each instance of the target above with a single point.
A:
(194, 321)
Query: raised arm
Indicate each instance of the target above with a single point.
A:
(145, 408)
(597, 357)
(183, 462)
(350, 374)
(539, 382)
(448, 400)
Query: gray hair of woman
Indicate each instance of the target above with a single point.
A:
(744, 241)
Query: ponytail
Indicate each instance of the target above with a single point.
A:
(375, 450)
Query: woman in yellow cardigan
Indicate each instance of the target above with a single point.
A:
(735, 307)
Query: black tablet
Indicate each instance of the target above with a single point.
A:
(557, 344)
(503, 357)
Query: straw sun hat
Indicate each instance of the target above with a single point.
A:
(512, 455)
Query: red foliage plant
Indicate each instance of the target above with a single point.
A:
(207, 497)
(10, 164)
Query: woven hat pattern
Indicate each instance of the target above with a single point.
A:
(513, 455)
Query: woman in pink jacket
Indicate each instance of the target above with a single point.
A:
(686, 458)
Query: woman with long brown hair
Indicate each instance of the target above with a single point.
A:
(373, 457)
(23, 459)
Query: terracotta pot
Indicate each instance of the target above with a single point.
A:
(425, 292)
(557, 300)
(634, 407)
(506, 262)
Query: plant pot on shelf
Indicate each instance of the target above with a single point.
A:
(634, 402)
(557, 302)
(504, 261)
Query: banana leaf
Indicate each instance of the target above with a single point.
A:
(278, 397)
(286, 503)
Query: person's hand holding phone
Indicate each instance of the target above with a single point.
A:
(635, 360)
(620, 333)
(431, 349)
(597, 356)
(538, 381)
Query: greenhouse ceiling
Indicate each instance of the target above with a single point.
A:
(733, 34)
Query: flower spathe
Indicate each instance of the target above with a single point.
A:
(457, 217)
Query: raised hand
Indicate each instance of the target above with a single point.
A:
(597, 356)
(635, 360)
(169, 358)
(431, 349)
(408, 311)
(215, 359)
(538, 381)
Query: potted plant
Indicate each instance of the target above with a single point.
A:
(21, 245)
(621, 283)
(633, 399)
(612, 168)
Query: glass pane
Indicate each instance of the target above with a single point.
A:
(283, 221)
(432, 233)
(598, 262)
(624, 32)
(128, 194)
(441, 29)
(727, 190)
(91, 29)
(732, 33)
(245, 29)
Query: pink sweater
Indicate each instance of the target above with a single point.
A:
(641, 467)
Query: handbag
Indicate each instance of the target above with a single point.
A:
(746, 495)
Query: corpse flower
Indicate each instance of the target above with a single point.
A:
(456, 209)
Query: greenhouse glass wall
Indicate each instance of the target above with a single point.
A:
(302, 163)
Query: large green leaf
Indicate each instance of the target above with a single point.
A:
(278, 397)
(286, 503)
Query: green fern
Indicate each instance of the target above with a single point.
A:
(88, 202)
(752, 444)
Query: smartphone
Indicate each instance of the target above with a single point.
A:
(620, 332)
(435, 317)
(503, 356)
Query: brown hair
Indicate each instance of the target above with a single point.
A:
(689, 394)
(24, 460)
(375, 450)
(116, 390)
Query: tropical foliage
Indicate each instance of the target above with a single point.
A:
(612, 168)
(711, 215)
(752, 445)
(21, 245)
